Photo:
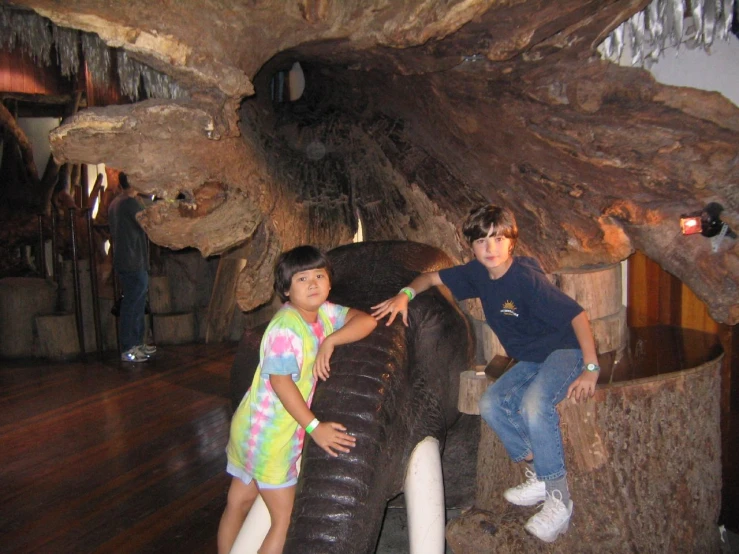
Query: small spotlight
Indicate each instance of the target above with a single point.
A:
(708, 223)
(711, 224)
(690, 224)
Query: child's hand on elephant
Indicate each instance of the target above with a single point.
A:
(321, 367)
(332, 436)
(398, 304)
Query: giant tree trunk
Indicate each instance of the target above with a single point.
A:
(412, 113)
(644, 469)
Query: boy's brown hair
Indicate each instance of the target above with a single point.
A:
(490, 220)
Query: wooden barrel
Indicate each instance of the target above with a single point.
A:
(644, 469)
(175, 328)
(160, 301)
(57, 334)
(600, 293)
(487, 344)
(21, 299)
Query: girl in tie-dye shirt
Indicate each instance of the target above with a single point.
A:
(269, 426)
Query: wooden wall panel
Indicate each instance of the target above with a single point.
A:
(656, 297)
(103, 94)
(694, 314)
(19, 73)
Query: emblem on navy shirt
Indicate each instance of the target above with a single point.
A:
(509, 308)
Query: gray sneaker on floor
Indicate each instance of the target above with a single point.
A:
(148, 349)
(552, 519)
(134, 355)
(529, 493)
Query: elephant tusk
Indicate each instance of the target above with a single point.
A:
(253, 530)
(424, 499)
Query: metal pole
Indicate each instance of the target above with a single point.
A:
(116, 290)
(77, 294)
(94, 284)
(41, 250)
(55, 259)
(147, 311)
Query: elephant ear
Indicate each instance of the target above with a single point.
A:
(366, 273)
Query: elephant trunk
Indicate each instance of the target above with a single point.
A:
(340, 502)
(387, 393)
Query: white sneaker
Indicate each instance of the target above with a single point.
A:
(134, 355)
(552, 519)
(528, 493)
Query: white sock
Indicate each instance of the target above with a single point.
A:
(561, 486)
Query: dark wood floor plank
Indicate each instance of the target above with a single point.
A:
(88, 423)
(65, 385)
(162, 527)
(95, 454)
(143, 451)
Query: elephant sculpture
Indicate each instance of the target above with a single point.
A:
(396, 391)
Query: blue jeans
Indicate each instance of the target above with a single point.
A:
(521, 408)
(131, 324)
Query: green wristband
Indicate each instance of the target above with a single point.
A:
(312, 425)
(409, 292)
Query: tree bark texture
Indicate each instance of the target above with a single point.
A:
(222, 299)
(413, 112)
(644, 469)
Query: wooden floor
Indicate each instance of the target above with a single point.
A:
(98, 457)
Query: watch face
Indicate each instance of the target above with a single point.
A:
(592, 367)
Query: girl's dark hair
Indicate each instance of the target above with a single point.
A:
(300, 258)
(490, 220)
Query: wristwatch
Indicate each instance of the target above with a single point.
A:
(592, 367)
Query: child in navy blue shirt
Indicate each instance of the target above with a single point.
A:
(549, 336)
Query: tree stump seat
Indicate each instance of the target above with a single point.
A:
(21, 299)
(57, 335)
(643, 459)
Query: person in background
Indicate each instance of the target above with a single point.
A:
(549, 336)
(131, 265)
(270, 424)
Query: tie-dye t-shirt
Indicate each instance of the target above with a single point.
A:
(265, 441)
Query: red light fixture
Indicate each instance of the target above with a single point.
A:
(690, 224)
(708, 223)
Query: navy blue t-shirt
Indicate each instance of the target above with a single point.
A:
(531, 317)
